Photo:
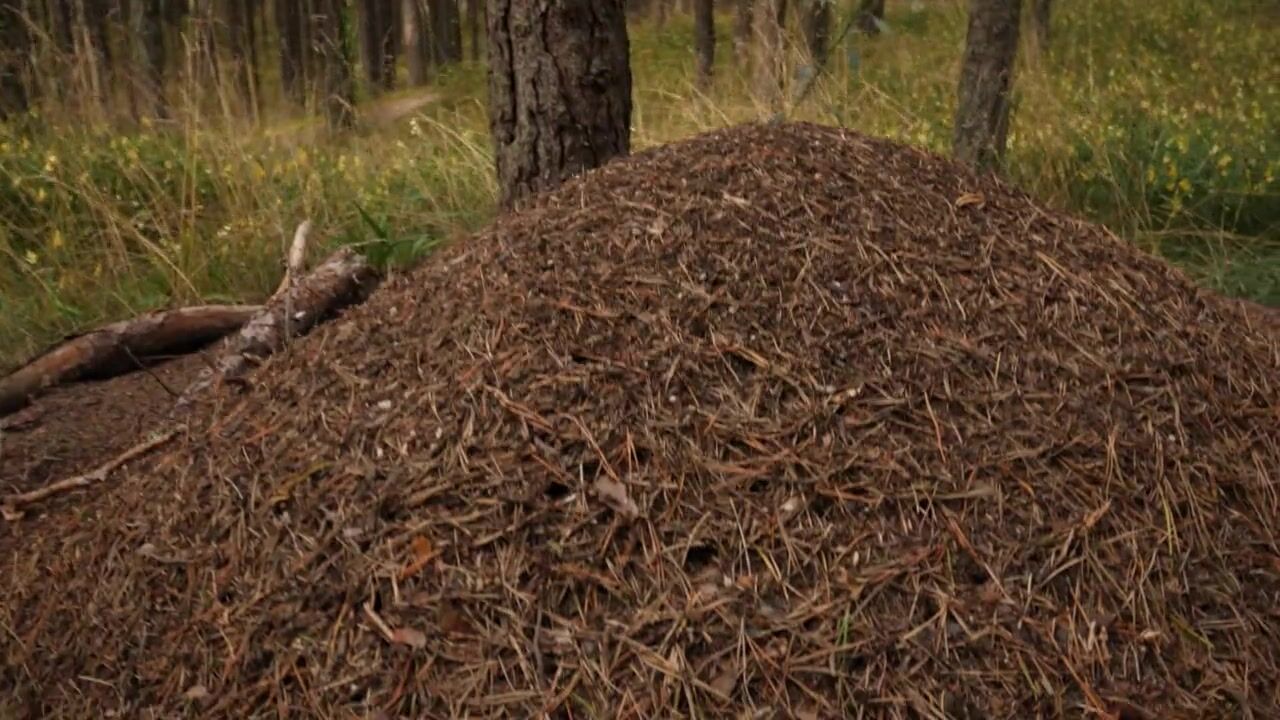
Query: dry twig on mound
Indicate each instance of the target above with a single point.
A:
(115, 348)
(343, 279)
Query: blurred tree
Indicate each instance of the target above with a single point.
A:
(446, 32)
(333, 53)
(378, 22)
(704, 32)
(817, 29)
(559, 90)
(291, 32)
(239, 17)
(768, 18)
(414, 40)
(870, 16)
(475, 23)
(986, 82)
(1040, 12)
(147, 22)
(742, 30)
(15, 55)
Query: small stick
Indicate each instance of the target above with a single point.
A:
(12, 503)
(297, 253)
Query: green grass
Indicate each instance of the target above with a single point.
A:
(1161, 120)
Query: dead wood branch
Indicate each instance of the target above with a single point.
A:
(345, 278)
(115, 348)
(11, 509)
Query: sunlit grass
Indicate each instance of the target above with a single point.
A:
(1161, 120)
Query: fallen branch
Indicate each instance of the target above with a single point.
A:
(11, 509)
(116, 348)
(343, 279)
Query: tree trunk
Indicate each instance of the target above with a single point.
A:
(147, 23)
(414, 40)
(769, 61)
(96, 55)
(329, 30)
(289, 30)
(15, 48)
(378, 22)
(475, 19)
(446, 32)
(1040, 15)
(559, 90)
(986, 82)
(238, 15)
(704, 33)
(817, 30)
(742, 30)
(870, 16)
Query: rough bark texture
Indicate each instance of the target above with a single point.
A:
(870, 15)
(817, 29)
(118, 347)
(559, 88)
(14, 48)
(329, 28)
(1041, 10)
(344, 279)
(986, 82)
(414, 41)
(768, 69)
(704, 32)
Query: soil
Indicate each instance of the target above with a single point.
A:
(76, 427)
(782, 421)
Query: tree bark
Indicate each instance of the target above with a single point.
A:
(475, 20)
(768, 69)
(704, 33)
(446, 32)
(15, 48)
(817, 30)
(289, 30)
(414, 39)
(870, 15)
(1040, 17)
(378, 23)
(742, 29)
(559, 90)
(986, 82)
(329, 32)
(238, 15)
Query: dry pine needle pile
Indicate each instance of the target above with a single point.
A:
(777, 422)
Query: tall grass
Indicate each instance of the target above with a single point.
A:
(1160, 119)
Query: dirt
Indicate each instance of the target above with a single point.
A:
(776, 422)
(76, 427)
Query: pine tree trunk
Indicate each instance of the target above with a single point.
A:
(289, 24)
(768, 46)
(817, 30)
(147, 22)
(742, 30)
(15, 46)
(238, 15)
(1041, 11)
(986, 82)
(870, 15)
(414, 41)
(559, 90)
(446, 32)
(475, 20)
(329, 29)
(704, 33)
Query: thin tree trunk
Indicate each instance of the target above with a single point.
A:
(369, 20)
(1040, 17)
(769, 61)
(289, 24)
(742, 30)
(817, 30)
(446, 32)
(870, 16)
(559, 90)
(147, 21)
(329, 30)
(15, 55)
(704, 33)
(239, 18)
(414, 40)
(986, 82)
(475, 20)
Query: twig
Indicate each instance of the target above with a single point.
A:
(13, 503)
(172, 393)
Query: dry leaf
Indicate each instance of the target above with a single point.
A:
(968, 199)
(725, 682)
(423, 554)
(196, 692)
(614, 495)
(408, 636)
(453, 622)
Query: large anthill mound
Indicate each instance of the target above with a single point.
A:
(781, 421)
